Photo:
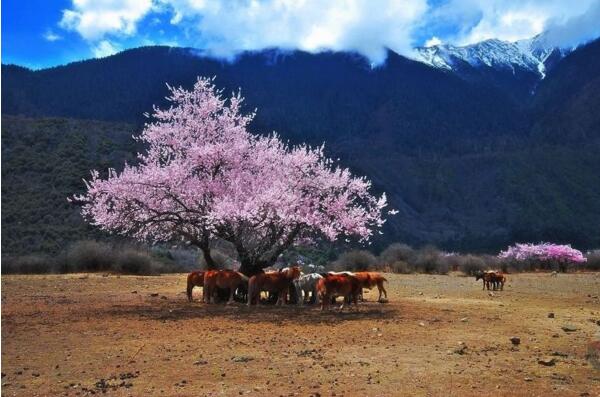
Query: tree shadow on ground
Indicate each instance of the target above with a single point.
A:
(308, 314)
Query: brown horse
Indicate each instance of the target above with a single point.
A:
(272, 282)
(223, 279)
(498, 279)
(332, 285)
(494, 278)
(369, 280)
(194, 279)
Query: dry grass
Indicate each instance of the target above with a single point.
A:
(63, 334)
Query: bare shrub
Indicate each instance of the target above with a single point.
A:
(471, 264)
(430, 260)
(131, 261)
(397, 252)
(356, 260)
(186, 258)
(88, 256)
(399, 267)
(593, 260)
(397, 258)
(27, 264)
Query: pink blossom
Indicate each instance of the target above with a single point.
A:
(543, 252)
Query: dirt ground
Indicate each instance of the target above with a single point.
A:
(438, 336)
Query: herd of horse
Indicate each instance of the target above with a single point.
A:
(278, 284)
(323, 288)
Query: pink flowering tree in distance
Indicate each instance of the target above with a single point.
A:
(544, 254)
(203, 176)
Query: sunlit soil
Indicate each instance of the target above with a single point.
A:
(437, 336)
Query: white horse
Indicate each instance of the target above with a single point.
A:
(314, 268)
(306, 283)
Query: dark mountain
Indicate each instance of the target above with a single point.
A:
(466, 161)
(565, 106)
(43, 162)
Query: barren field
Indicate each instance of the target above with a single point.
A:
(438, 336)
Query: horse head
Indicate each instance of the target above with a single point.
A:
(293, 272)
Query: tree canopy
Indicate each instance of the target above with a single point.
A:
(205, 176)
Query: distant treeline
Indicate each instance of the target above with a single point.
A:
(129, 258)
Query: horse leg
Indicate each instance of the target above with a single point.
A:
(190, 288)
(250, 294)
(206, 293)
(211, 296)
(209, 293)
(231, 292)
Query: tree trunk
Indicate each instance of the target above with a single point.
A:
(249, 269)
(210, 263)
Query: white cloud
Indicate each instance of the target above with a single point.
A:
(433, 41)
(575, 30)
(94, 19)
(104, 48)
(225, 27)
(506, 19)
(51, 36)
(365, 26)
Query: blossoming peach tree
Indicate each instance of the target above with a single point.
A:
(204, 176)
(544, 254)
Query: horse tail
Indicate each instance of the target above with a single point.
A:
(190, 286)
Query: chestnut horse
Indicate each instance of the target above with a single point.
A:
(194, 279)
(369, 280)
(332, 285)
(223, 279)
(272, 282)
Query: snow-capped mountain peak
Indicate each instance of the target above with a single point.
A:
(530, 54)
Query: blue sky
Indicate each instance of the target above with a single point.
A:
(37, 33)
